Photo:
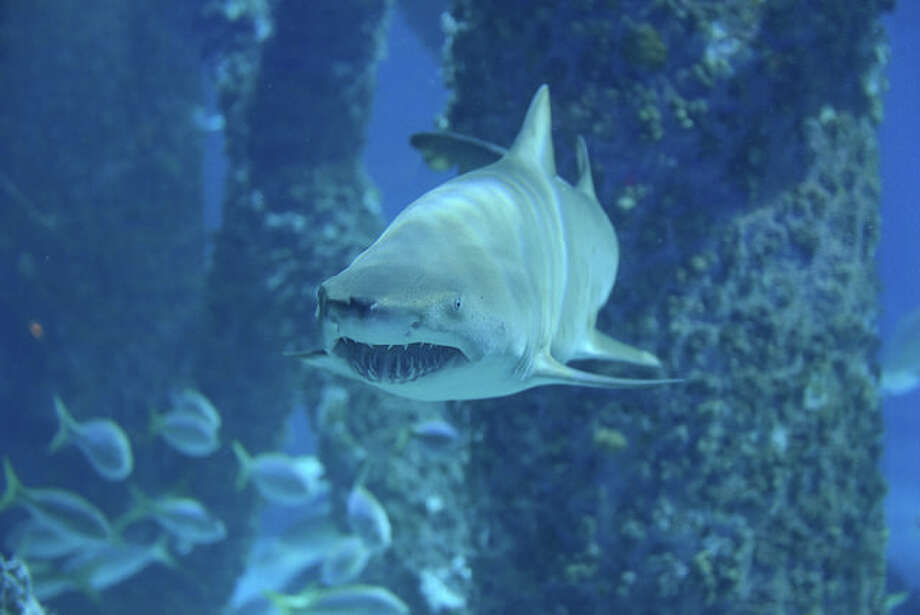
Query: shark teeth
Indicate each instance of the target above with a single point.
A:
(395, 364)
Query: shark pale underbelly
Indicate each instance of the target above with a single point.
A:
(485, 286)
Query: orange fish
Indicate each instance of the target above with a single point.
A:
(36, 329)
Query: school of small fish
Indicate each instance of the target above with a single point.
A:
(70, 545)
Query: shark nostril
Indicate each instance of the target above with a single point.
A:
(362, 305)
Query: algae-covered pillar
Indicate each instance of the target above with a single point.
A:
(733, 147)
(295, 94)
(295, 84)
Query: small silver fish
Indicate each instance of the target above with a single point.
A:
(104, 444)
(311, 535)
(437, 594)
(279, 477)
(116, 562)
(436, 434)
(47, 585)
(900, 356)
(33, 540)
(186, 431)
(275, 561)
(66, 512)
(348, 599)
(368, 519)
(191, 402)
(186, 519)
(345, 562)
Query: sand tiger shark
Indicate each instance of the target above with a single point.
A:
(484, 286)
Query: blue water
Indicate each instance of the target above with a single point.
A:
(899, 270)
(410, 92)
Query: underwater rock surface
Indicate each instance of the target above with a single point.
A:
(733, 147)
(16, 597)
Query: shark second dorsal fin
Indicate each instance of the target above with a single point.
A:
(534, 142)
(585, 183)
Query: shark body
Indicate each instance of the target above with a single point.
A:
(484, 286)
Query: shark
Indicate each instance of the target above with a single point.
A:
(487, 285)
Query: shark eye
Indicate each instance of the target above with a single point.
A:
(458, 303)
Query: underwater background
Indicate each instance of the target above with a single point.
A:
(176, 179)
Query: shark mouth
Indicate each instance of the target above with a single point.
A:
(396, 363)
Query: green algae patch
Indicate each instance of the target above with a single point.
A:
(609, 440)
(644, 48)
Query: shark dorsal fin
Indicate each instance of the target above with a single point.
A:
(585, 183)
(534, 143)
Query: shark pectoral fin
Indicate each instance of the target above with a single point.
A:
(323, 360)
(547, 370)
(601, 347)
